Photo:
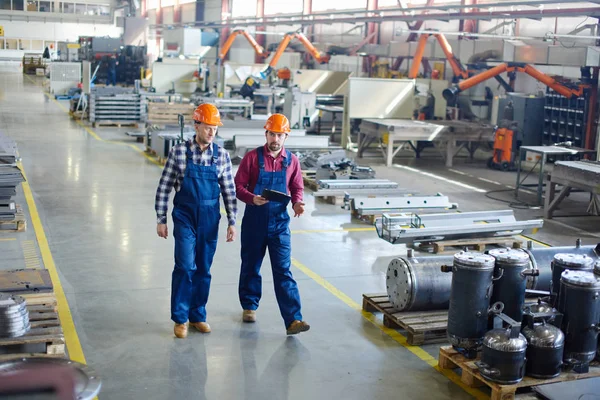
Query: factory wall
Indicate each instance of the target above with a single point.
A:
(55, 31)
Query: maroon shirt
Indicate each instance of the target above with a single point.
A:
(247, 174)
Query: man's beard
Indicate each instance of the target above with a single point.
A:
(274, 146)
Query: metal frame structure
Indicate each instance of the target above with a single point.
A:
(582, 175)
(409, 228)
(486, 11)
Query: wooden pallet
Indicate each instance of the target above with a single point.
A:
(167, 113)
(18, 224)
(422, 327)
(309, 180)
(476, 244)
(451, 359)
(46, 334)
(118, 124)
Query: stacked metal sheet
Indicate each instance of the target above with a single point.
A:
(117, 104)
(14, 316)
(10, 178)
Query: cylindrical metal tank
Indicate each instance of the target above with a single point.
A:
(512, 267)
(542, 257)
(418, 283)
(579, 302)
(545, 346)
(503, 356)
(567, 261)
(472, 275)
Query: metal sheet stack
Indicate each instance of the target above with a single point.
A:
(117, 104)
(10, 178)
(14, 316)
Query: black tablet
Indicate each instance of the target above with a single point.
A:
(273, 195)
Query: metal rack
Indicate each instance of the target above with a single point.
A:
(565, 119)
(116, 104)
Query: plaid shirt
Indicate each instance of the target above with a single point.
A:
(174, 171)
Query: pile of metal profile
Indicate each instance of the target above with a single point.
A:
(14, 316)
(242, 107)
(357, 187)
(410, 228)
(368, 205)
(117, 104)
(10, 177)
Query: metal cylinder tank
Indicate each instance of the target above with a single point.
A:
(579, 302)
(472, 275)
(545, 346)
(542, 257)
(418, 284)
(512, 267)
(503, 357)
(567, 261)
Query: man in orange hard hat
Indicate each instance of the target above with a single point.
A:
(199, 170)
(266, 223)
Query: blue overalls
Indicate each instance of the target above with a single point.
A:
(196, 215)
(268, 226)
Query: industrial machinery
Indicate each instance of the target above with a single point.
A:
(545, 345)
(567, 261)
(506, 142)
(578, 300)
(457, 68)
(559, 87)
(472, 277)
(227, 45)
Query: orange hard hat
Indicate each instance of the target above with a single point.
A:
(278, 123)
(208, 113)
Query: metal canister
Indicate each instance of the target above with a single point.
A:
(541, 307)
(545, 346)
(597, 267)
(563, 262)
(472, 275)
(512, 267)
(542, 257)
(503, 358)
(418, 283)
(579, 302)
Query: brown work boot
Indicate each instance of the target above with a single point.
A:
(249, 316)
(180, 330)
(297, 327)
(202, 327)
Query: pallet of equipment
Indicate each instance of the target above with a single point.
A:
(309, 180)
(449, 358)
(422, 327)
(118, 124)
(477, 244)
(18, 224)
(167, 113)
(45, 335)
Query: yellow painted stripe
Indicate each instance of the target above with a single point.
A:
(7, 239)
(64, 313)
(333, 230)
(395, 335)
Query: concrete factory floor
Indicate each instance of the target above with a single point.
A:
(94, 192)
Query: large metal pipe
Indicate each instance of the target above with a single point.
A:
(417, 284)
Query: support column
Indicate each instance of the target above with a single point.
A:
(373, 32)
(176, 12)
(260, 39)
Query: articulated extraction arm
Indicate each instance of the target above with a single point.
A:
(257, 47)
(322, 58)
(451, 92)
(457, 68)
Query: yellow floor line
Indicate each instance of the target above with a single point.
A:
(64, 313)
(395, 335)
(7, 239)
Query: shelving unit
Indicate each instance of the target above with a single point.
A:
(565, 119)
